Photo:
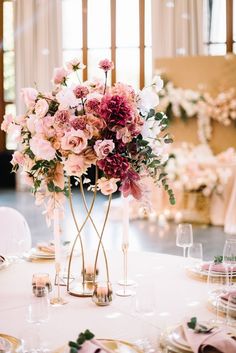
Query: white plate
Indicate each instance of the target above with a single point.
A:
(4, 264)
(40, 254)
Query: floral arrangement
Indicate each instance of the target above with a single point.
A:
(195, 168)
(75, 126)
(186, 103)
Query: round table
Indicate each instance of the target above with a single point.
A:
(163, 276)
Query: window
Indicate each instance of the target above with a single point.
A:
(116, 29)
(219, 26)
(7, 89)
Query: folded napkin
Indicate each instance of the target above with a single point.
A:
(226, 296)
(218, 339)
(45, 247)
(94, 346)
(215, 267)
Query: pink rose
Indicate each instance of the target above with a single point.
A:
(75, 165)
(74, 140)
(27, 179)
(7, 121)
(124, 135)
(74, 65)
(31, 122)
(59, 75)
(29, 96)
(41, 108)
(103, 148)
(15, 132)
(17, 158)
(42, 149)
(107, 186)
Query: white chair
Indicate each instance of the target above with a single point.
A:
(15, 236)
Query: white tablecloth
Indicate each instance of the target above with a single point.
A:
(176, 296)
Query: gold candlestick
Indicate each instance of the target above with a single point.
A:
(58, 300)
(125, 292)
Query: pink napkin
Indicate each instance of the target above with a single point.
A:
(204, 343)
(215, 267)
(47, 248)
(226, 296)
(92, 346)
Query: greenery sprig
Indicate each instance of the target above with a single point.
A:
(199, 328)
(83, 336)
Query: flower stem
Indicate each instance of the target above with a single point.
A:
(105, 86)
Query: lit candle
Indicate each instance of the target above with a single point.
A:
(57, 240)
(125, 220)
(102, 291)
(178, 217)
(89, 269)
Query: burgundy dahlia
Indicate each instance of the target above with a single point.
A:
(115, 110)
(114, 166)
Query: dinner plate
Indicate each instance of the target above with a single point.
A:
(179, 337)
(36, 254)
(13, 341)
(4, 264)
(117, 346)
(198, 273)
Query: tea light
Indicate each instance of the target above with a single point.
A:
(102, 295)
(41, 282)
(162, 220)
(167, 213)
(89, 273)
(178, 217)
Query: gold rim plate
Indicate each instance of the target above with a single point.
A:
(15, 342)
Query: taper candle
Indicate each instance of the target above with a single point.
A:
(57, 237)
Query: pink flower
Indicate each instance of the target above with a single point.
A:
(131, 185)
(124, 134)
(27, 179)
(116, 110)
(41, 108)
(31, 122)
(7, 121)
(93, 105)
(17, 158)
(59, 75)
(114, 166)
(62, 118)
(107, 186)
(81, 91)
(67, 99)
(15, 132)
(58, 177)
(74, 141)
(106, 65)
(29, 96)
(75, 165)
(42, 149)
(74, 65)
(103, 148)
(78, 122)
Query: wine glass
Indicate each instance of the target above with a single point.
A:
(229, 257)
(184, 236)
(195, 254)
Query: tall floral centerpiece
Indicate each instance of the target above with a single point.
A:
(79, 125)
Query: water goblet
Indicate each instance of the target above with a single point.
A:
(195, 254)
(229, 258)
(184, 236)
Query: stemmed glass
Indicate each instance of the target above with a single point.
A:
(229, 257)
(38, 313)
(184, 236)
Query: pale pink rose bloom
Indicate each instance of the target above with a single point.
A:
(7, 121)
(17, 158)
(59, 75)
(107, 186)
(75, 165)
(74, 65)
(74, 141)
(103, 148)
(67, 99)
(29, 96)
(41, 108)
(15, 132)
(27, 179)
(21, 120)
(41, 148)
(31, 122)
(45, 126)
(124, 134)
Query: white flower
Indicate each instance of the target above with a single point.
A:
(147, 100)
(157, 83)
(66, 98)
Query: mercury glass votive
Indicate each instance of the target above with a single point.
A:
(89, 273)
(41, 284)
(102, 294)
